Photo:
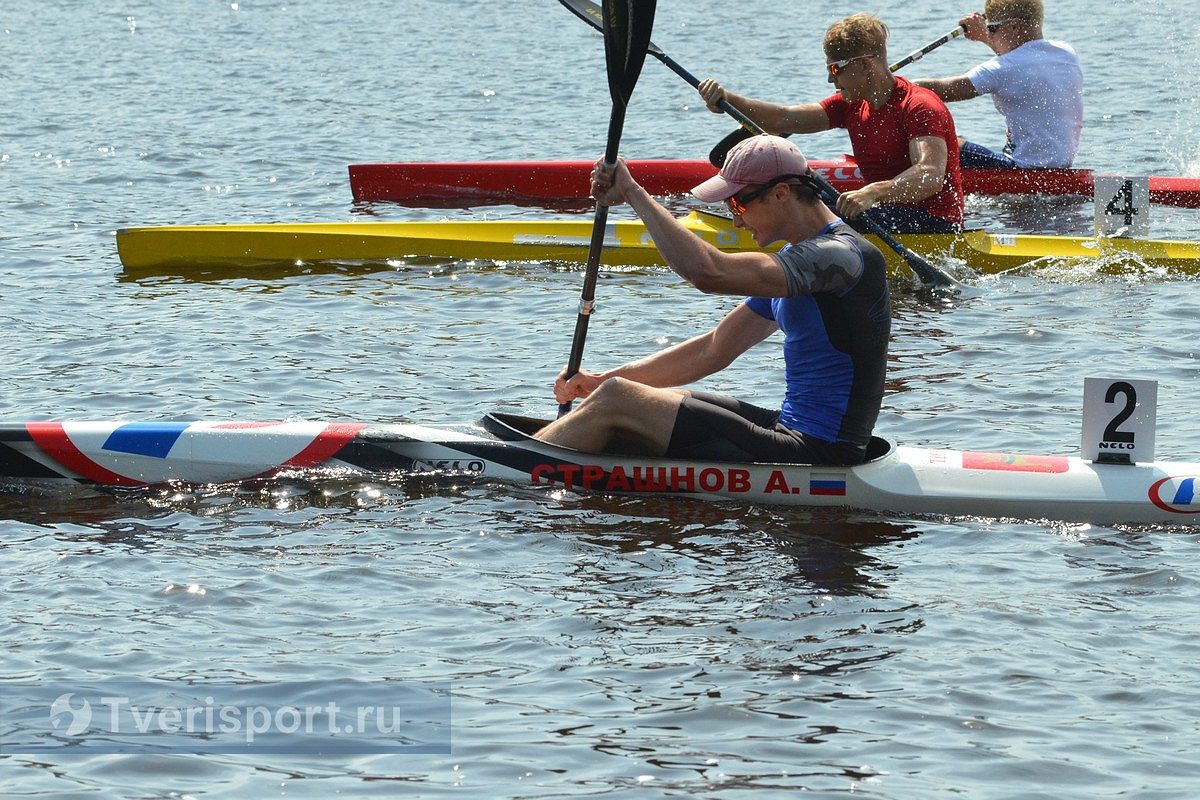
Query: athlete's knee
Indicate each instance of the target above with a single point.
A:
(614, 392)
(624, 403)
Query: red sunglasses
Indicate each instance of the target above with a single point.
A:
(837, 67)
(737, 204)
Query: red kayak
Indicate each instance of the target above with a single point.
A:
(467, 182)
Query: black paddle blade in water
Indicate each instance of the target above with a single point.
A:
(931, 277)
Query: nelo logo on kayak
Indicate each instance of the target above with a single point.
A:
(839, 173)
(449, 465)
(1177, 495)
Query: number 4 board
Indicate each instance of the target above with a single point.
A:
(1122, 205)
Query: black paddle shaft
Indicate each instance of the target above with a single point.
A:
(626, 25)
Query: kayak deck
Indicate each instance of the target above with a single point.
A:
(469, 182)
(903, 480)
(183, 248)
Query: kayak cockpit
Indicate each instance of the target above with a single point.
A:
(515, 428)
(512, 427)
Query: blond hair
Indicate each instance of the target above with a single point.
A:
(860, 34)
(1028, 11)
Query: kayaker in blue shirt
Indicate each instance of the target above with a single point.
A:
(826, 290)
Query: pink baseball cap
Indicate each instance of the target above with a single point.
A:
(758, 159)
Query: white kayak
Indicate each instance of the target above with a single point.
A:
(906, 480)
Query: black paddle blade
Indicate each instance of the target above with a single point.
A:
(627, 28)
(593, 15)
(720, 152)
(587, 11)
(930, 276)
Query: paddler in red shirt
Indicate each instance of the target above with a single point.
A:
(902, 135)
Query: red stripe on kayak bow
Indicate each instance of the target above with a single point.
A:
(54, 442)
(328, 442)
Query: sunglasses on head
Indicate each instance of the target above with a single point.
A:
(737, 204)
(836, 67)
(992, 27)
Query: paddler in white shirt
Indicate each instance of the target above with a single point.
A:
(1036, 83)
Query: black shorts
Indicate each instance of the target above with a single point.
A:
(718, 428)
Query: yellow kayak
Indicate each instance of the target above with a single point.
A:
(180, 248)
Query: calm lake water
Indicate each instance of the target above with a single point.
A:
(594, 646)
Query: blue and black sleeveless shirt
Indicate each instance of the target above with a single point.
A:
(836, 322)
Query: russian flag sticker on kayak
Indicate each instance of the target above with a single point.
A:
(828, 485)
